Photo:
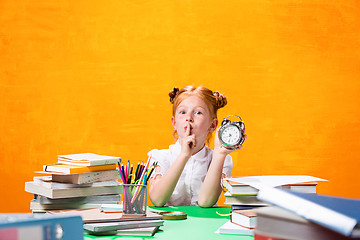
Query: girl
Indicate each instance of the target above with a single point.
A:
(189, 172)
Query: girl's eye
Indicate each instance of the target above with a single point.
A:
(198, 112)
(182, 112)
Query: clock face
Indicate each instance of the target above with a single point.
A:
(230, 135)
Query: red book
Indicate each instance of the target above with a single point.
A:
(244, 218)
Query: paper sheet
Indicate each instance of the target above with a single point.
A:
(274, 180)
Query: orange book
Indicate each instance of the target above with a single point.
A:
(71, 169)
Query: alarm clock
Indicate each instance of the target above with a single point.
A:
(231, 134)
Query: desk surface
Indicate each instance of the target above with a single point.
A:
(201, 223)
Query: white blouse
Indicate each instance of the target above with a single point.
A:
(188, 187)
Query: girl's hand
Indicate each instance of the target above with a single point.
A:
(218, 147)
(188, 143)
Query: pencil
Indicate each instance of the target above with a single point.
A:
(136, 170)
(151, 169)
(141, 177)
(128, 168)
(140, 171)
(130, 175)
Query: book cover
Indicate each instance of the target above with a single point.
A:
(275, 222)
(97, 216)
(244, 218)
(87, 159)
(237, 188)
(71, 192)
(339, 214)
(112, 226)
(40, 226)
(71, 169)
(243, 207)
(250, 200)
(258, 235)
(146, 232)
(232, 228)
(274, 180)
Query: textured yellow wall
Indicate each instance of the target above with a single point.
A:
(85, 76)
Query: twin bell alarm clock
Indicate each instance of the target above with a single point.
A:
(231, 134)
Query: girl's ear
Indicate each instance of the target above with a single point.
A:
(213, 125)
(173, 122)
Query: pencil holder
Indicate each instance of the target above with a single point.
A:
(134, 200)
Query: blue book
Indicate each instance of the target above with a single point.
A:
(21, 226)
(337, 213)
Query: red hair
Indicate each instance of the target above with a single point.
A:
(213, 100)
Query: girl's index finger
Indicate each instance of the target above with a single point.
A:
(188, 129)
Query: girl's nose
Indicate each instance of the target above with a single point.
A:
(189, 118)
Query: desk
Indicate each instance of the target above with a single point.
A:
(201, 223)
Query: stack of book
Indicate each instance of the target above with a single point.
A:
(306, 216)
(97, 222)
(242, 194)
(77, 181)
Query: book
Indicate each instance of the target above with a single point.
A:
(46, 181)
(97, 216)
(276, 223)
(244, 218)
(112, 226)
(250, 200)
(262, 236)
(111, 207)
(145, 232)
(340, 214)
(87, 159)
(38, 189)
(236, 188)
(71, 169)
(86, 177)
(243, 207)
(112, 198)
(35, 206)
(40, 226)
(232, 228)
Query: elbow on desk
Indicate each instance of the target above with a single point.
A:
(206, 203)
(157, 205)
(157, 202)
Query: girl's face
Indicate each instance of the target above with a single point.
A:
(194, 111)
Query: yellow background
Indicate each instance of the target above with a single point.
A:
(93, 76)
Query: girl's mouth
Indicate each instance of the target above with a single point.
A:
(187, 127)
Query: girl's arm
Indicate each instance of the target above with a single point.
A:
(211, 187)
(162, 187)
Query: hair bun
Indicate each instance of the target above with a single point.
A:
(173, 93)
(220, 100)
